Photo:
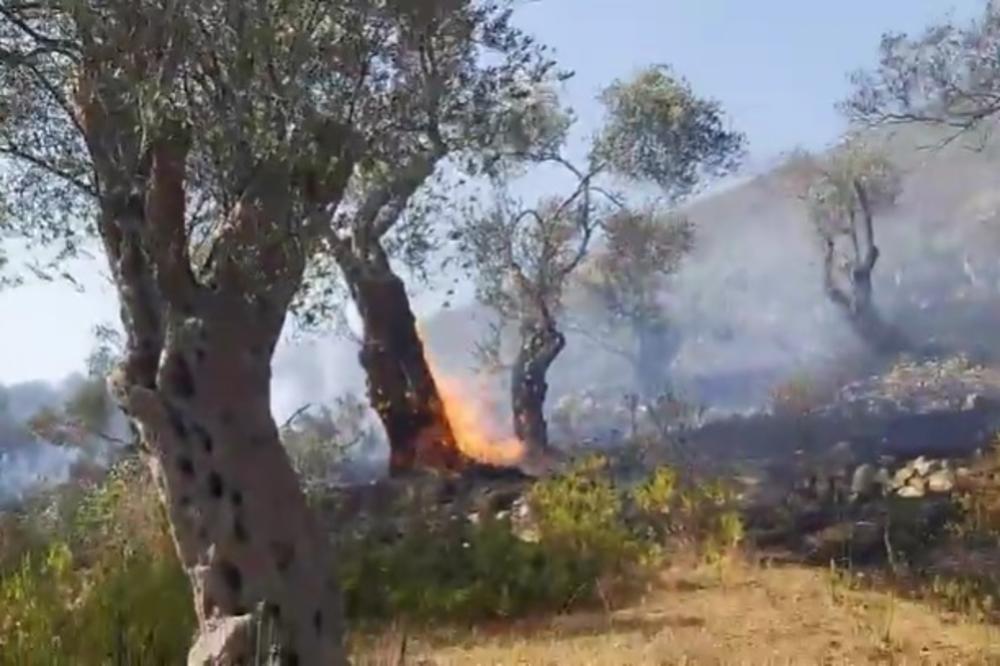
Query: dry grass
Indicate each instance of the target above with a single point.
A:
(740, 614)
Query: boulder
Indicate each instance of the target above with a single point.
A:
(941, 481)
(523, 521)
(865, 482)
(922, 466)
(912, 491)
(902, 476)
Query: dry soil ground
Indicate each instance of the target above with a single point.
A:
(739, 614)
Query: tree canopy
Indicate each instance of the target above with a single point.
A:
(948, 75)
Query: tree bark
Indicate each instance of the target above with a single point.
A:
(196, 380)
(856, 301)
(251, 546)
(401, 387)
(541, 343)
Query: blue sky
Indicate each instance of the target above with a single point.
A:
(777, 66)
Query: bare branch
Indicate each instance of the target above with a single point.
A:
(10, 11)
(295, 416)
(45, 165)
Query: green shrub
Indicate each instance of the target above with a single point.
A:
(98, 581)
(469, 572)
(702, 513)
(579, 515)
(465, 570)
(108, 588)
(656, 495)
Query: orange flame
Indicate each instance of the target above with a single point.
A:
(466, 409)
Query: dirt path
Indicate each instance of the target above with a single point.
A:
(746, 615)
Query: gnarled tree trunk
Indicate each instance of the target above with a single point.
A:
(244, 534)
(196, 383)
(401, 388)
(541, 343)
(858, 306)
(856, 299)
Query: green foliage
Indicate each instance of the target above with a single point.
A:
(580, 513)
(833, 190)
(465, 572)
(657, 130)
(947, 75)
(699, 513)
(318, 442)
(657, 494)
(106, 590)
(487, 569)
(90, 405)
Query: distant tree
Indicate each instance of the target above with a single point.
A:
(628, 277)
(109, 350)
(949, 76)
(217, 148)
(524, 258)
(844, 191)
(656, 131)
(319, 440)
(83, 422)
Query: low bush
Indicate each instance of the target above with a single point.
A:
(98, 582)
(701, 514)
(487, 569)
(106, 589)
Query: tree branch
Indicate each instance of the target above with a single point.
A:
(62, 46)
(295, 416)
(871, 250)
(41, 163)
(383, 206)
(166, 223)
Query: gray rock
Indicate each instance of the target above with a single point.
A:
(941, 481)
(864, 482)
(883, 479)
(902, 476)
(922, 466)
(916, 488)
(860, 538)
(523, 522)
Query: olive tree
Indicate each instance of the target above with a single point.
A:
(948, 76)
(216, 148)
(642, 250)
(523, 258)
(450, 112)
(656, 131)
(844, 192)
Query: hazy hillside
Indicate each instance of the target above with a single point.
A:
(749, 302)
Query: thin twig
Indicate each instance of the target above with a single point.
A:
(298, 412)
